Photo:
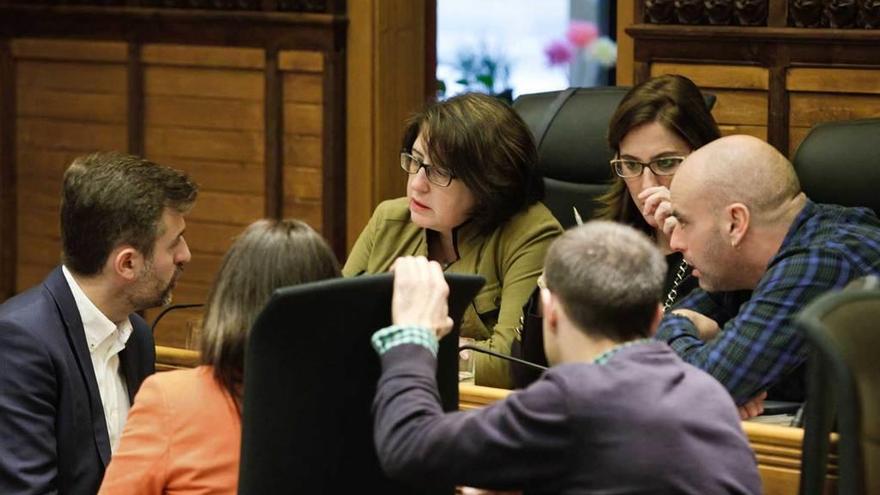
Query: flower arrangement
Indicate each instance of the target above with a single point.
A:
(582, 40)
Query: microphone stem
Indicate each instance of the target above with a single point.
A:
(502, 356)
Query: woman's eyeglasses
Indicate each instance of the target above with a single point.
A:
(435, 175)
(633, 168)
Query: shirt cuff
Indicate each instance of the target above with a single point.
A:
(679, 332)
(395, 335)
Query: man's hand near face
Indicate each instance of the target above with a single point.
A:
(420, 295)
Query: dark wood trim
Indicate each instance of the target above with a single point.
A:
(136, 120)
(641, 72)
(274, 136)
(430, 50)
(777, 108)
(638, 11)
(750, 34)
(333, 193)
(8, 195)
(777, 13)
(151, 25)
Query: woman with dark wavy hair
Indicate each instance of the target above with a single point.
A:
(183, 433)
(472, 204)
(657, 124)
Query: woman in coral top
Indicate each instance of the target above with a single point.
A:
(183, 433)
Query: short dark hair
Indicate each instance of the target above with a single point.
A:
(269, 254)
(676, 103)
(609, 278)
(486, 145)
(111, 198)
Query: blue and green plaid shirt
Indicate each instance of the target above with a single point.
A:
(826, 247)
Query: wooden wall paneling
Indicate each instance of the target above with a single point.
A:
(741, 93)
(837, 80)
(717, 75)
(829, 94)
(302, 103)
(838, 63)
(70, 100)
(8, 215)
(204, 110)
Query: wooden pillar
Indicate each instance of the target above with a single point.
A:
(385, 84)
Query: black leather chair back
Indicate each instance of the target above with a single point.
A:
(843, 384)
(310, 379)
(570, 129)
(839, 162)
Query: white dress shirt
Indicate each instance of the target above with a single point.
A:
(105, 340)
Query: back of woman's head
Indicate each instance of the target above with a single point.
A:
(269, 254)
(486, 145)
(672, 100)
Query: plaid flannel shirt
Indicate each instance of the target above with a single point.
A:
(826, 247)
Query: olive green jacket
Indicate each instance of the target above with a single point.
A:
(510, 258)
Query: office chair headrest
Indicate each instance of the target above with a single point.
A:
(573, 147)
(839, 162)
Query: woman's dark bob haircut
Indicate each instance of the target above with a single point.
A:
(486, 145)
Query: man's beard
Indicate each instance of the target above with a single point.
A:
(151, 291)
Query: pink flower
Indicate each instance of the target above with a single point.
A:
(582, 33)
(558, 53)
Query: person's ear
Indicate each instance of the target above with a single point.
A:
(127, 262)
(738, 217)
(549, 311)
(655, 320)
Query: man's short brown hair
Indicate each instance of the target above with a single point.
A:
(111, 198)
(609, 278)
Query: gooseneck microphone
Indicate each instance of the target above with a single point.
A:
(503, 356)
(169, 309)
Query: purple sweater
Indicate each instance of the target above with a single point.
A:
(644, 422)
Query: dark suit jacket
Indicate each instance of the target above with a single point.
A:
(53, 436)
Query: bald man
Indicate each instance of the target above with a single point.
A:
(761, 251)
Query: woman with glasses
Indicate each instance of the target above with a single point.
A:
(657, 124)
(472, 204)
(183, 433)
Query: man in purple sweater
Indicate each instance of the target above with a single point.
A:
(616, 413)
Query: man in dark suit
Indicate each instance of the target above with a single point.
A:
(72, 350)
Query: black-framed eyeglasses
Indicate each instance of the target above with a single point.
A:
(665, 165)
(435, 175)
